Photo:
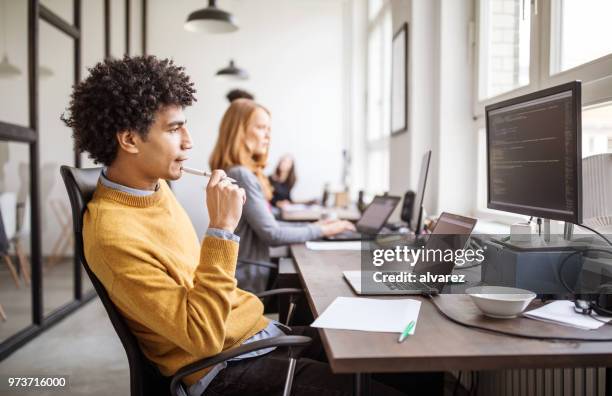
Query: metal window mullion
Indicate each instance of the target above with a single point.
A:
(107, 27)
(37, 280)
(56, 21)
(77, 273)
(128, 16)
(143, 35)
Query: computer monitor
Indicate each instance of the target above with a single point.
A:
(534, 154)
(416, 222)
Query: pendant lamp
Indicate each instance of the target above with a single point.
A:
(7, 70)
(211, 20)
(232, 72)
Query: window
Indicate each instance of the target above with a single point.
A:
(572, 44)
(378, 113)
(378, 171)
(597, 130)
(504, 51)
(374, 7)
(580, 32)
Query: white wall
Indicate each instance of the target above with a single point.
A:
(294, 51)
(408, 148)
(356, 38)
(457, 184)
(400, 179)
(439, 111)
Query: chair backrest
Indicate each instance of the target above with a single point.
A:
(597, 190)
(145, 378)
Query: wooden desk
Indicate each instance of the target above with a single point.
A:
(438, 344)
(313, 213)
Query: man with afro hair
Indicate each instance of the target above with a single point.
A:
(178, 296)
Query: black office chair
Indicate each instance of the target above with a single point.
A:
(145, 378)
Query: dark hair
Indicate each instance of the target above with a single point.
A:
(123, 94)
(291, 177)
(239, 94)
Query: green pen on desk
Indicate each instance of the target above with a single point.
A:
(406, 332)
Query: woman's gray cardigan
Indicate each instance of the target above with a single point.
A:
(258, 230)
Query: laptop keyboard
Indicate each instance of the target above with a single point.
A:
(407, 285)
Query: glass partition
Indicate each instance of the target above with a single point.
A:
(15, 280)
(14, 62)
(56, 149)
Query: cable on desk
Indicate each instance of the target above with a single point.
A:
(602, 321)
(508, 333)
(596, 232)
(566, 260)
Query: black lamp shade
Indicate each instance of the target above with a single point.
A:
(211, 20)
(232, 72)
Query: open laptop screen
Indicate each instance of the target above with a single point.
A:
(451, 232)
(376, 214)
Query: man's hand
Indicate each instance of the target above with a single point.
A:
(336, 226)
(224, 201)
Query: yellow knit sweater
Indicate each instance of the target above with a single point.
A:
(179, 298)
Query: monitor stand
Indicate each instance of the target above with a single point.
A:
(548, 242)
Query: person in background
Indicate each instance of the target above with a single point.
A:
(239, 94)
(242, 151)
(283, 179)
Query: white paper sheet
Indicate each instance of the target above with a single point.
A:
(562, 312)
(333, 245)
(369, 314)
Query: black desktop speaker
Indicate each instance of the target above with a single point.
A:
(407, 207)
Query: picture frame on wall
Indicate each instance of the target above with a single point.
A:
(399, 81)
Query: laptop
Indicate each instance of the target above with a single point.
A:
(372, 220)
(451, 232)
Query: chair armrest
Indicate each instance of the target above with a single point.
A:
(282, 341)
(264, 264)
(275, 292)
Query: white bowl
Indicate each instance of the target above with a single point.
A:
(500, 302)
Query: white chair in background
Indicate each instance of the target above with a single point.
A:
(22, 232)
(8, 207)
(597, 192)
